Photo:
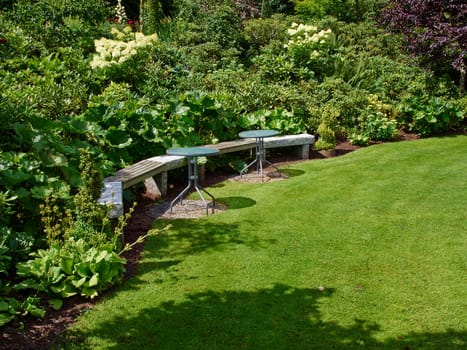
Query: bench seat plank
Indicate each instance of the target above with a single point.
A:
(233, 146)
(140, 171)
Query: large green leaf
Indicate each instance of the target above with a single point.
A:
(118, 138)
(5, 318)
(41, 192)
(56, 303)
(89, 292)
(4, 306)
(67, 265)
(83, 269)
(94, 281)
(79, 283)
(52, 159)
(13, 178)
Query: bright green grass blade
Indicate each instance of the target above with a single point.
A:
(364, 251)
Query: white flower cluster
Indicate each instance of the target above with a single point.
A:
(117, 51)
(120, 12)
(303, 34)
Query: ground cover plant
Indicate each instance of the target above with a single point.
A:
(361, 251)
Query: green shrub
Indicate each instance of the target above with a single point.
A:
(10, 308)
(72, 268)
(312, 48)
(345, 10)
(349, 101)
(150, 15)
(376, 123)
(259, 32)
(326, 134)
(61, 23)
(280, 6)
(201, 21)
(374, 127)
(161, 73)
(277, 119)
(28, 180)
(14, 248)
(280, 67)
(430, 115)
(242, 92)
(210, 33)
(197, 118)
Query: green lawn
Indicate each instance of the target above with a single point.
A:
(363, 251)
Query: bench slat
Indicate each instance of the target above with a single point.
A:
(136, 170)
(232, 146)
(140, 171)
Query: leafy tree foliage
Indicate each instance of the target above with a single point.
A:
(436, 30)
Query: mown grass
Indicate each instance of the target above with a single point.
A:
(364, 251)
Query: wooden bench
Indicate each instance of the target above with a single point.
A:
(153, 172)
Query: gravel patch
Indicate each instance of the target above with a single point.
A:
(193, 209)
(187, 209)
(254, 177)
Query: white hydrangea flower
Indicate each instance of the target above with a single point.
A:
(117, 51)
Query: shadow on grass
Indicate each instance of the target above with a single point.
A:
(188, 237)
(292, 172)
(237, 202)
(280, 317)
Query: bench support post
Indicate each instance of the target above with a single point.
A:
(112, 194)
(161, 180)
(152, 190)
(305, 151)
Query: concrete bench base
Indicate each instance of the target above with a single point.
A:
(302, 140)
(153, 172)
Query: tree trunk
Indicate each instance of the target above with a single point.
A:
(150, 13)
(462, 81)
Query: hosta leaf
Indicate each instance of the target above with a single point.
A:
(79, 282)
(29, 284)
(67, 265)
(4, 306)
(83, 269)
(5, 318)
(94, 281)
(56, 303)
(89, 292)
(103, 255)
(104, 273)
(180, 109)
(57, 274)
(34, 310)
(115, 259)
(68, 290)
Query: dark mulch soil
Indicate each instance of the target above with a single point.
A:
(39, 333)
